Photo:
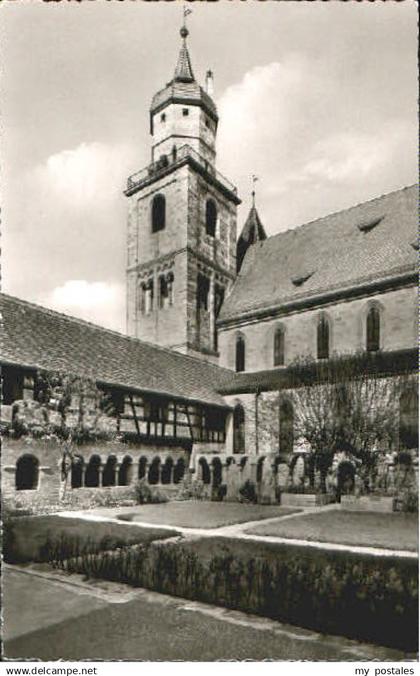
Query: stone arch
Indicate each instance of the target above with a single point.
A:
(27, 473)
(205, 475)
(286, 425)
(346, 473)
(125, 472)
(179, 470)
(158, 212)
(239, 429)
(230, 461)
(109, 475)
(92, 472)
(217, 472)
(142, 467)
(242, 463)
(77, 467)
(154, 471)
(166, 471)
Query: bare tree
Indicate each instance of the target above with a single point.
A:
(346, 404)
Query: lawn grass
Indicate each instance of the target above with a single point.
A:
(203, 514)
(29, 534)
(369, 529)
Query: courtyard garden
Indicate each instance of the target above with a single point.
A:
(366, 529)
(200, 514)
(31, 538)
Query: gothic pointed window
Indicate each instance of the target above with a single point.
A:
(211, 217)
(286, 423)
(158, 213)
(409, 418)
(279, 347)
(373, 329)
(323, 338)
(238, 429)
(240, 354)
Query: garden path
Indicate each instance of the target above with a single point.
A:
(237, 531)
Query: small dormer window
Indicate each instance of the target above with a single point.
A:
(163, 117)
(368, 224)
(185, 112)
(207, 123)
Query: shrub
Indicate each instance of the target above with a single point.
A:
(147, 495)
(143, 492)
(361, 596)
(409, 500)
(247, 492)
(218, 492)
(191, 490)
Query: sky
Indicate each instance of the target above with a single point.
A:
(319, 100)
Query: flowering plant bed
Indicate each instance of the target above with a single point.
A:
(368, 503)
(305, 499)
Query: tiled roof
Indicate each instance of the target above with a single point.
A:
(36, 337)
(370, 241)
(179, 91)
(253, 231)
(183, 70)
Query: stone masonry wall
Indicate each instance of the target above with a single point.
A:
(53, 493)
(347, 329)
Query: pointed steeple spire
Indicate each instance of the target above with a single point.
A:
(183, 70)
(252, 232)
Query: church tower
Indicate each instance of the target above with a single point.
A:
(181, 223)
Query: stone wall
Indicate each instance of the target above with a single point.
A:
(347, 321)
(54, 491)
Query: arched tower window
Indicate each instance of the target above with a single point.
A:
(373, 329)
(409, 419)
(279, 347)
(27, 473)
(238, 429)
(158, 213)
(323, 338)
(286, 423)
(240, 354)
(211, 217)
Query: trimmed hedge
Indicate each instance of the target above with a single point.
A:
(28, 539)
(360, 596)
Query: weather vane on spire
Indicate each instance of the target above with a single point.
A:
(254, 180)
(184, 29)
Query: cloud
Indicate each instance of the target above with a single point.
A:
(71, 223)
(318, 142)
(98, 302)
(91, 173)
